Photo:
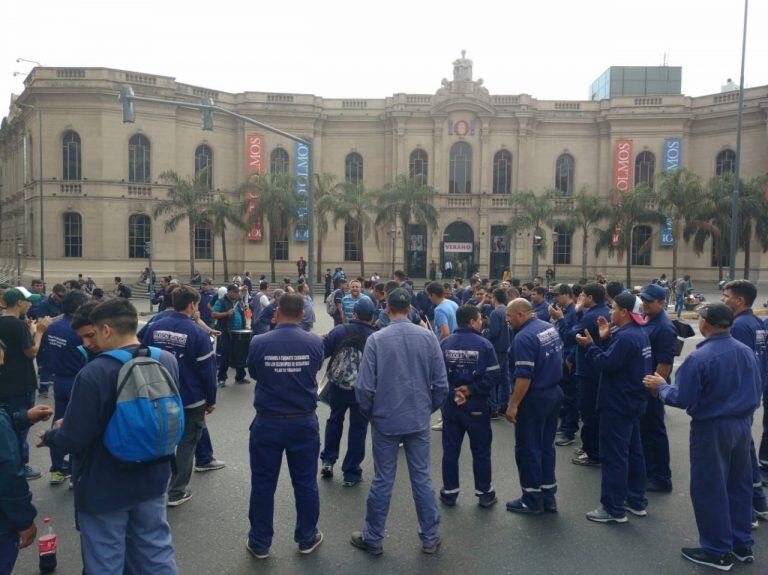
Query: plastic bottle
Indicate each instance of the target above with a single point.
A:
(47, 547)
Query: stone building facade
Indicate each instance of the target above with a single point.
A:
(100, 176)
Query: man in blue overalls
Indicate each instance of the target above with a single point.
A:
(564, 316)
(284, 363)
(341, 394)
(536, 365)
(653, 433)
(621, 402)
(719, 386)
(739, 295)
(473, 373)
(63, 360)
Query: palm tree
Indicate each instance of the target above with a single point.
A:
(325, 185)
(583, 213)
(219, 213)
(712, 220)
(531, 213)
(186, 200)
(753, 216)
(681, 199)
(630, 209)
(352, 205)
(407, 200)
(274, 198)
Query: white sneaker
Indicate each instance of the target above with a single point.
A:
(438, 426)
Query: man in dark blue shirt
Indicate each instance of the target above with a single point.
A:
(207, 298)
(284, 364)
(229, 316)
(342, 399)
(589, 307)
(621, 402)
(719, 385)
(338, 296)
(564, 316)
(536, 365)
(473, 372)
(63, 360)
(539, 301)
(497, 333)
(653, 433)
(51, 306)
(120, 509)
(190, 344)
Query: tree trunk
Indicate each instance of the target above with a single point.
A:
(319, 259)
(191, 249)
(406, 243)
(720, 260)
(272, 250)
(629, 271)
(747, 243)
(213, 260)
(361, 242)
(674, 258)
(584, 252)
(224, 251)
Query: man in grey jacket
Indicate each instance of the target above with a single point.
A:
(402, 382)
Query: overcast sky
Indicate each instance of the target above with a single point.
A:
(549, 49)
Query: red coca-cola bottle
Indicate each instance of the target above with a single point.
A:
(47, 545)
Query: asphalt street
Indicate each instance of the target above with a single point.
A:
(210, 530)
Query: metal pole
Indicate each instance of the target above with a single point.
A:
(150, 281)
(42, 202)
(19, 248)
(735, 204)
(310, 277)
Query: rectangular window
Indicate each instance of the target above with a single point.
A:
(561, 247)
(203, 244)
(73, 236)
(351, 246)
(281, 249)
(725, 256)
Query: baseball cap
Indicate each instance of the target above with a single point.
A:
(653, 292)
(207, 282)
(364, 308)
(17, 294)
(633, 305)
(715, 314)
(399, 296)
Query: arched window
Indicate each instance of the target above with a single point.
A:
(139, 233)
(204, 161)
(418, 165)
(71, 164)
(351, 243)
(725, 162)
(641, 246)
(645, 165)
(353, 168)
(203, 242)
(561, 245)
(73, 235)
(502, 172)
(564, 174)
(278, 162)
(460, 169)
(138, 159)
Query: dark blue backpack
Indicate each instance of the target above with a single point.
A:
(148, 421)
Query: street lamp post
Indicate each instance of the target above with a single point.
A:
(554, 257)
(19, 251)
(150, 283)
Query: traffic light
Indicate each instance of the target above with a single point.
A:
(207, 114)
(126, 99)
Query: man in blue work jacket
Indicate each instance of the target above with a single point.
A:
(621, 402)
(497, 333)
(589, 307)
(207, 299)
(536, 366)
(739, 295)
(401, 383)
(563, 313)
(653, 433)
(351, 337)
(63, 360)
(719, 386)
(229, 316)
(539, 302)
(179, 335)
(284, 364)
(473, 373)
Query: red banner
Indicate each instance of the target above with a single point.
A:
(622, 166)
(255, 165)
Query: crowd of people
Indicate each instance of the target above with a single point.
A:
(560, 361)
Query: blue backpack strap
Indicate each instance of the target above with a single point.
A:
(119, 354)
(154, 353)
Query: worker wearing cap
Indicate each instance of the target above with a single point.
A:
(563, 313)
(719, 386)
(739, 295)
(621, 402)
(473, 373)
(653, 433)
(354, 335)
(536, 363)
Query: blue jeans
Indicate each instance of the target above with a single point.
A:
(9, 550)
(62, 390)
(342, 400)
(17, 403)
(204, 449)
(498, 399)
(299, 438)
(131, 541)
(623, 464)
(679, 301)
(385, 452)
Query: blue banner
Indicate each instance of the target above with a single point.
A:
(673, 158)
(301, 171)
